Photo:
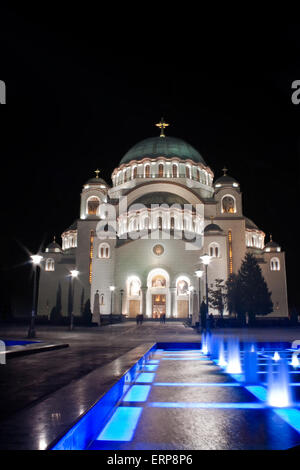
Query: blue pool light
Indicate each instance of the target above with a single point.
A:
(122, 424)
(187, 358)
(150, 367)
(197, 384)
(145, 377)
(290, 416)
(258, 391)
(256, 406)
(138, 393)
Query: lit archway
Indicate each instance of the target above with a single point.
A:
(158, 301)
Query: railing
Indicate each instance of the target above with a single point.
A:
(159, 175)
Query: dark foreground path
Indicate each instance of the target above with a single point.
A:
(29, 379)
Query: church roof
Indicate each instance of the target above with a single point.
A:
(212, 228)
(271, 245)
(226, 179)
(53, 247)
(167, 147)
(73, 226)
(97, 181)
(250, 224)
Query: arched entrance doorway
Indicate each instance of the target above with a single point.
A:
(158, 294)
(134, 296)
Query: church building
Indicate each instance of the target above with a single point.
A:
(137, 244)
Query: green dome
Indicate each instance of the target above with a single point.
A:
(167, 147)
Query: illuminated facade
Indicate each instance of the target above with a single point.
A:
(149, 266)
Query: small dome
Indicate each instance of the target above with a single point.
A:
(226, 180)
(212, 228)
(53, 247)
(167, 147)
(97, 181)
(272, 246)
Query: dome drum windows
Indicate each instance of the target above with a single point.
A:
(168, 168)
(50, 264)
(275, 264)
(160, 170)
(174, 170)
(104, 251)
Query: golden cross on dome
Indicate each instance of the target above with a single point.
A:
(97, 173)
(162, 124)
(225, 170)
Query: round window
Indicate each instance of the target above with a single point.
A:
(158, 250)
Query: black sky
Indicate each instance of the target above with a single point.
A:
(81, 91)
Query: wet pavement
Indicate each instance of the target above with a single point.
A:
(32, 380)
(185, 402)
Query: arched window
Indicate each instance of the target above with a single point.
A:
(134, 287)
(187, 172)
(228, 204)
(160, 170)
(175, 171)
(135, 172)
(147, 171)
(172, 222)
(198, 175)
(275, 264)
(159, 222)
(104, 250)
(214, 250)
(158, 281)
(50, 265)
(93, 204)
(182, 287)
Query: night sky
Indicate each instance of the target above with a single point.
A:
(81, 91)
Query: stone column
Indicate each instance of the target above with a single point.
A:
(173, 301)
(144, 297)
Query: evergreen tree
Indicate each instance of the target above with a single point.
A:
(217, 297)
(254, 297)
(233, 297)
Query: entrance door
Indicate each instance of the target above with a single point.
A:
(183, 308)
(134, 308)
(158, 305)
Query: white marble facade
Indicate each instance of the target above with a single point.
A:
(163, 197)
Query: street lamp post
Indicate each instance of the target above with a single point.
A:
(111, 288)
(74, 275)
(121, 301)
(199, 274)
(191, 288)
(35, 259)
(206, 260)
